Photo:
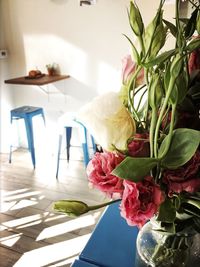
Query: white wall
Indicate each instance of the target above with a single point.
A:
(86, 42)
(6, 96)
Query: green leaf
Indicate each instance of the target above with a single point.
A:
(183, 216)
(166, 212)
(184, 20)
(155, 35)
(171, 27)
(159, 59)
(191, 209)
(158, 40)
(193, 202)
(180, 90)
(191, 24)
(194, 44)
(173, 99)
(198, 22)
(134, 169)
(154, 91)
(183, 146)
(176, 66)
(134, 50)
(167, 77)
(135, 20)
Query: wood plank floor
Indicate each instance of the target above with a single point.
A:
(31, 233)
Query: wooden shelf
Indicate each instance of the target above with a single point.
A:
(46, 79)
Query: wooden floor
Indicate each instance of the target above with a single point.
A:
(32, 234)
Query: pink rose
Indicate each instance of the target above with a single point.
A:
(185, 178)
(128, 67)
(139, 146)
(99, 173)
(140, 201)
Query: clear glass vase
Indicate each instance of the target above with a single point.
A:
(155, 249)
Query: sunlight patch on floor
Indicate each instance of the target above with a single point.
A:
(23, 221)
(23, 195)
(23, 203)
(66, 227)
(5, 206)
(53, 217)
(51, 254)
(2, 228)
(9, 241)
(62, 263)
(13, 192)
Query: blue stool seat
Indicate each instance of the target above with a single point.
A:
(68, 126)
(27, 113)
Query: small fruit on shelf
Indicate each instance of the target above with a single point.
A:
(34, 73)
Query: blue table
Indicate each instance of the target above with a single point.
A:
(112, 243)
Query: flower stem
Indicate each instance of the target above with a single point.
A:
(131, 101)
(164, 106)
(95, 207)
(152, 129)
(141, 44)
(170, 134)
(139, 89)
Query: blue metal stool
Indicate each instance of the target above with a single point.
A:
(27, 113)
(84, 142)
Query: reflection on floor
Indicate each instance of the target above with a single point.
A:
(32, 234)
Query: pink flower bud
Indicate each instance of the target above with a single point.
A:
(128, 68)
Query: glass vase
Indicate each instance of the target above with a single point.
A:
(156, 249)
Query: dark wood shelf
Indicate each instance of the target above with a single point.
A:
(46, 79)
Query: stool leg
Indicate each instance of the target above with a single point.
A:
(10, 154)
(94, 147)
(68, 140)
(85, 148)
(30, 138)
(58, 157)
(43, 117)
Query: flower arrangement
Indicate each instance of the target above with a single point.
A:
(150, 130)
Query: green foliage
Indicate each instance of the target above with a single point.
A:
(171, 27)
(135, 53)
(166, 212)
(191, 24)
(155, 35)
(181, 86)
(194, 44)
(159, 59)
(155, 92)
(134, 169)
(183, 145)
(176, 66)
(168, 88)
(135, 19)
(198, 22)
